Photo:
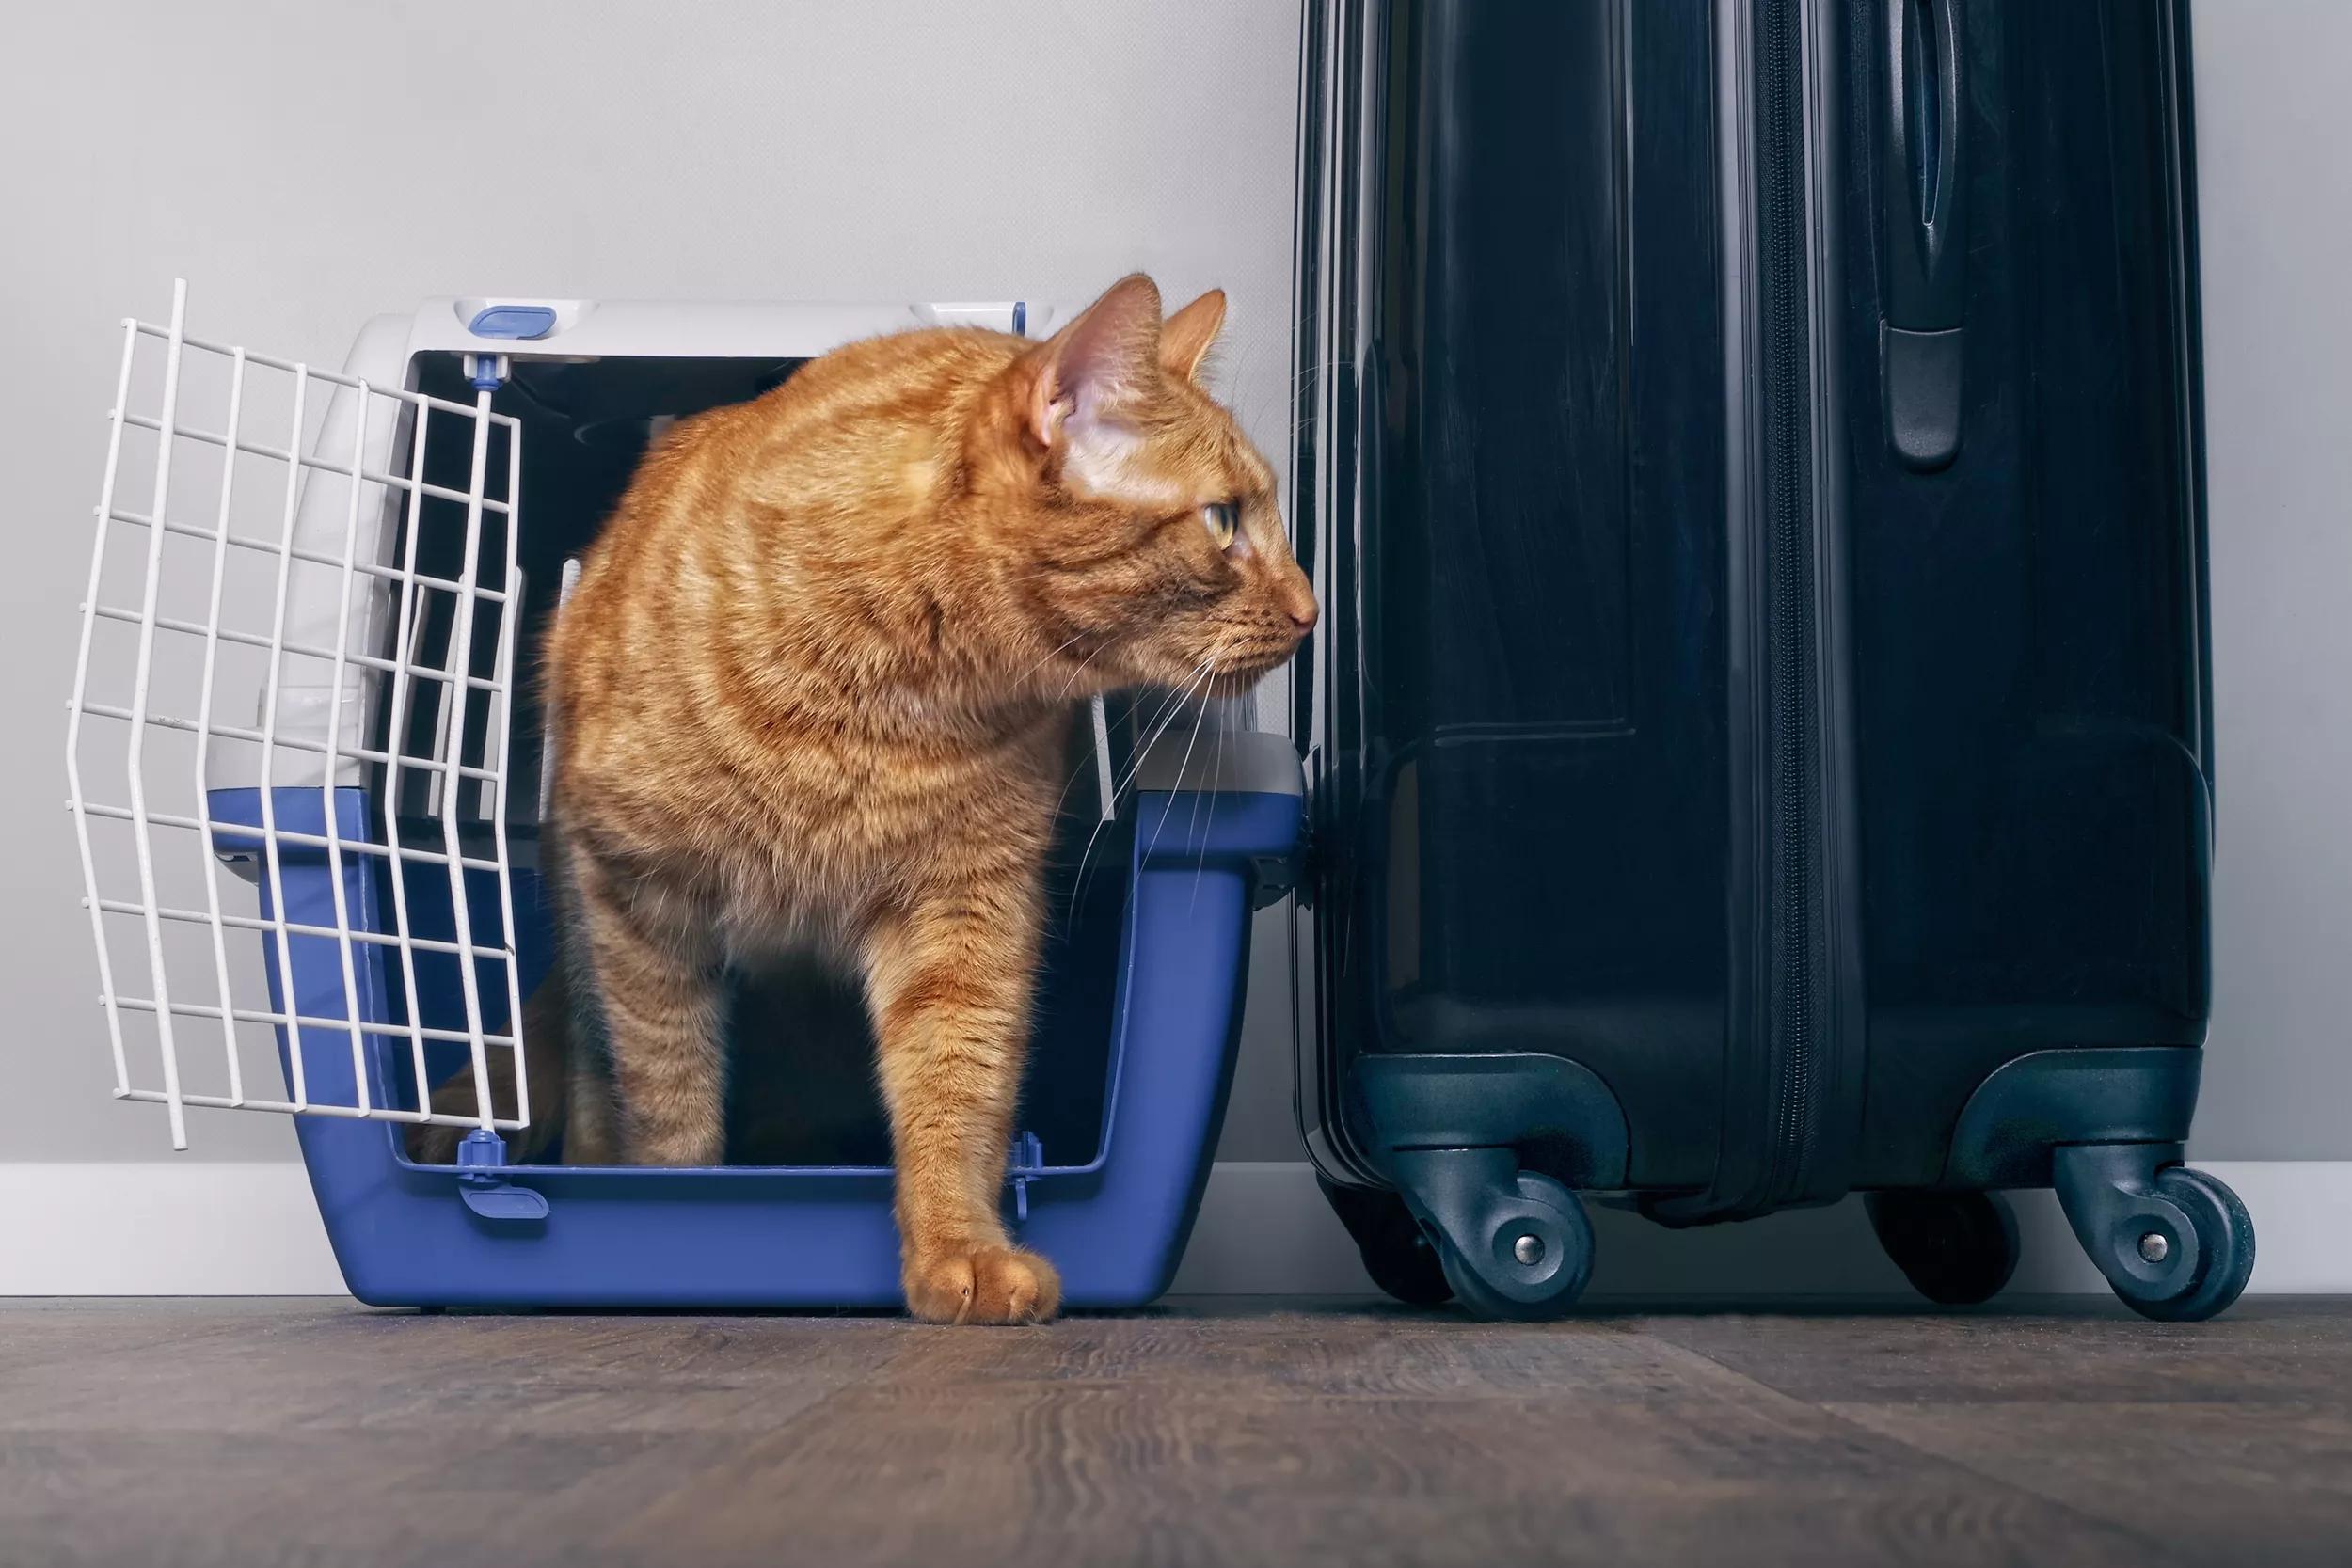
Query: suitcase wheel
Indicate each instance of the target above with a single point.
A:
(2175, 1245)
(1512, 1243)
(2225, 1242)
(1956, 1249)
(1531, 1262)
(1397, 1253)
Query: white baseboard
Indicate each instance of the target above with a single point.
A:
(213, 1228)
(155, 1227)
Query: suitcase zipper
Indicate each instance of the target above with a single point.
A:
(1796, 940)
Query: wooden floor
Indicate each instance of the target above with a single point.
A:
(256, 1433)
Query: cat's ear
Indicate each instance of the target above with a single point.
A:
(1186, 336)
(1104, 359)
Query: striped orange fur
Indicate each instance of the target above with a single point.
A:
(811, 692)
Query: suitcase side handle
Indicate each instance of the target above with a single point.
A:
(1924, 229)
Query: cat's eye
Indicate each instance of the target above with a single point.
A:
(1222, 519)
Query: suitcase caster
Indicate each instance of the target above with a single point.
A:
(1397, 1253)
(1957, 1249)
(1512, 1243)
(2175, 1243)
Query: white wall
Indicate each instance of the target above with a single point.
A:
(306, 166)
(2275, 191)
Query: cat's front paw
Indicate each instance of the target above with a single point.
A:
(982, 1285)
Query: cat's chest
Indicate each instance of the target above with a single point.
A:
(828, 823)
(807, 827)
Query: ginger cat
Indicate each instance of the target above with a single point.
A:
(811, 692)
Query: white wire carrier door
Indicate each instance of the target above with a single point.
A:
(297, 661)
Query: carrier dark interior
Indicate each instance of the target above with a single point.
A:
(800, 1085)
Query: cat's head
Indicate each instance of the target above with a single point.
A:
(1150, 542)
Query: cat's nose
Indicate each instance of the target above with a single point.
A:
(1299, 602)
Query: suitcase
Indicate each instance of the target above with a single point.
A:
(1749, 455)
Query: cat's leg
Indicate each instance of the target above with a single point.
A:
(655, 962)
(547, 1051)
(590, 1135)
(948, 981)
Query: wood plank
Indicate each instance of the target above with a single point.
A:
(1238, 1432)
(1314, 1437)
(1106, 1474)
(332, 1365)
(2217, 1481)
(2058, 1348)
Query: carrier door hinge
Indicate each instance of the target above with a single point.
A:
(479, 1156)
(487, 372)
(1029, 1157)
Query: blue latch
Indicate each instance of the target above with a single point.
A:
(1029, 1157)
(482, 1153)
(513, 321)
(1020, 318)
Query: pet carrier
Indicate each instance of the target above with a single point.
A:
(304, 659)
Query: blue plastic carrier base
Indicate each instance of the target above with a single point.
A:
(407, 1234)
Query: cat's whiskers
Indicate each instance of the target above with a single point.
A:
(1201, 716)
(1173, 709)
(1073, 678)
(1216, 770)
(1167, 704)
(1166, 714)
(1023, 678)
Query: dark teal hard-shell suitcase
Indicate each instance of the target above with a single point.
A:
(1749, 455)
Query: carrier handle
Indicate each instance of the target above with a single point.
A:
(1924, 229)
